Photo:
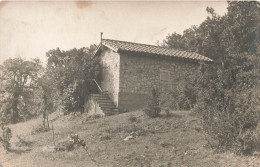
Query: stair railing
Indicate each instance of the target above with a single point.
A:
(101, 91)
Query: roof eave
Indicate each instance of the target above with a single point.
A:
(100, 47)
(110, 47)
(208, 60)
(97, 50)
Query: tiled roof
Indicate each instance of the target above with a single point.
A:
(118, 46)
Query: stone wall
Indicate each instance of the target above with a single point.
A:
(92, 108)
(139, 73)
(110, 61)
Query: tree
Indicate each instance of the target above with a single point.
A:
(153, 108)
(227, 90)
(203, 39)
(18, 81)
(70, 73)
(46, 99)
(228, 103)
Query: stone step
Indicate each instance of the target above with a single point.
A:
(101, 97)
(108, 112)
(107, 98)
(104, 101)
(96, 95)
(107, 105)
(110, 109)
(104, 93)
(100, 94)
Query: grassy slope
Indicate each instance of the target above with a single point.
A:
(175, 141)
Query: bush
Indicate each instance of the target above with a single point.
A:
(167, 112)
(247, 142)
(70, 76)
(183, 95)
(132, 118)
(75, 142)
(23, 142)
(39, 129)
(228, 105)
(123, 110)
(153, 108)
(6, 137)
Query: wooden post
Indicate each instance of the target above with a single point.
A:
(48, 121)
(52, 132)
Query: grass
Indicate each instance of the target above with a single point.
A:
(177, 140)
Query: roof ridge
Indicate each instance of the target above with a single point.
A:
(153, 49)
(141, 44)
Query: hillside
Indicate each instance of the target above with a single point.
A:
(117, 140)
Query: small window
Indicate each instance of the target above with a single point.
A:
(164, 75)
(165, 80)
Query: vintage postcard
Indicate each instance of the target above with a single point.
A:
(129, 83)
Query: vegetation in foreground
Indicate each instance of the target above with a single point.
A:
(176, 140)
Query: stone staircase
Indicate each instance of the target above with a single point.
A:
(106, 104)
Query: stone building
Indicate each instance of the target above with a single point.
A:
(131, 70)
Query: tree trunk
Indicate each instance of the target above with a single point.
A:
(47, 117)
(15, 116)
(44, 118)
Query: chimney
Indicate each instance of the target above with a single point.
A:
(101, 34)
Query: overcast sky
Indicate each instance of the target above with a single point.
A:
(30, 29)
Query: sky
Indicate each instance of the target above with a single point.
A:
(30, 29)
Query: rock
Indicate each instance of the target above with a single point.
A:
(128, 138)
(49, 149)
(164, 144)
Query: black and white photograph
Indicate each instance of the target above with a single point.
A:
(130, 83)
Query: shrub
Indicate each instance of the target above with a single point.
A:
(228, 105)
(153, 108)
(6, 137)
(123, 110)
(167, 111)
(183, 95)
(132, 118)
(75, 142)
(39, 129)
(93, 117)
(23, 142)
(247, 142)
(104, 137)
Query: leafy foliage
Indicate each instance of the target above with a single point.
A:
(19, 88)
(229, 107)
(6, 137)
(70, 73)
(227, 94)
(46, 99)
(183, 95)
(153, 108)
